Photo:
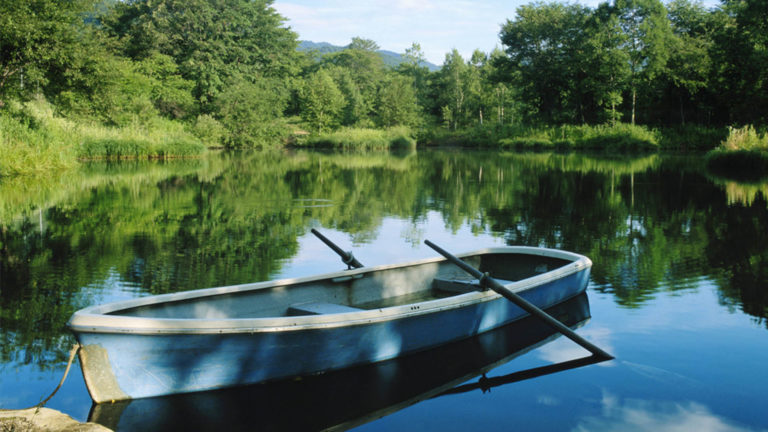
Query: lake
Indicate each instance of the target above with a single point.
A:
(678, 292)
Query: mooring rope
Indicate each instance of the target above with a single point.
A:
(72, 353)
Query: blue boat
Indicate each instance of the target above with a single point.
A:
(244, 334)
(360, 394)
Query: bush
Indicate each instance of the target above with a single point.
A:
(692, 137)
(160, 138)
(209, 130)
(27, 151)
(35, 141)
(743, 155)
(618, 137)
(746, 138)
(526, 143)
(364, 139)
(614, 138)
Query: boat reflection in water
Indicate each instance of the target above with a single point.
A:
(343, 399)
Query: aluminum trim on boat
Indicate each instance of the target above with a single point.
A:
(95, 319)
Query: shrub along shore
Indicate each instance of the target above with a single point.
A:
(35, 141)
(118, 82)
(743, 155)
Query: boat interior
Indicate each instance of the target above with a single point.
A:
(359, 290)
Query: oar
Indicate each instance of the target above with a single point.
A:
(486, 280)
(346, 257)
(485, 384)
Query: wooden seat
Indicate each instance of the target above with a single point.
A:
(459, 286)
(320, 308)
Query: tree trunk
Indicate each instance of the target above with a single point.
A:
(634, 99)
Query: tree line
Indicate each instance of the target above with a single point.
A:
(230, 71)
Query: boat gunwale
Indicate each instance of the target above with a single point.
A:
(95, 319)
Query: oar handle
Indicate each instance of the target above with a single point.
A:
(346, 257)
(487, 280)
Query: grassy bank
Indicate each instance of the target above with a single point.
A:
(35, 141)
(362, 139)
(618, 138)
(743, 155)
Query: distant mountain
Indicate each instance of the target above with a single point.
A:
(390, 58)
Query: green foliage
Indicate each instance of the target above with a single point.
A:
(163, 139)
(620, 137)
(692, 137)
(321, 101)
(413, 67)
(35, 141)
(212, 42)
(743, 155)
(542, 43)
(397, 104)
(453, 89)
(209, 130)
(35, 38)
(29, 148)
(648, 34)
(170, 93)
(359, 71)
(251, 112)
(364, 139)
(638, 60)
(746, 138)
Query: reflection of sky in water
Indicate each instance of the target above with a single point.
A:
(675, 371)
(642, 415)
(396, 241)
(684, 362)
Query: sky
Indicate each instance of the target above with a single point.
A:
(437, 25)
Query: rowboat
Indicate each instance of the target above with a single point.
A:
(360, 394)
(243, 334)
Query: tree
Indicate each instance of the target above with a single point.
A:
(364, 70)
(607, 63)
(544, 46)
(34, 36)
(321, 101)
(647, 34)
(413, 67)
(740, 60)
(477, 88)
(212, 41)
(453, 88)
(397, 104)
(689, 60)
(249, 109)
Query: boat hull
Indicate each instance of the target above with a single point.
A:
(137, 364)
(360, 394)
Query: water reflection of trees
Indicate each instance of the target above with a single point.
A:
(650, 224)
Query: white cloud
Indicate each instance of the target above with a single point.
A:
(642, 415)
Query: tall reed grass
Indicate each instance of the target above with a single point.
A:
(34, 140)
(743, 155)
(28, 149)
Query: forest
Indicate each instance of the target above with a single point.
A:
(106, 78)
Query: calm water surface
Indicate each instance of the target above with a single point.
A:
(679, 289)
